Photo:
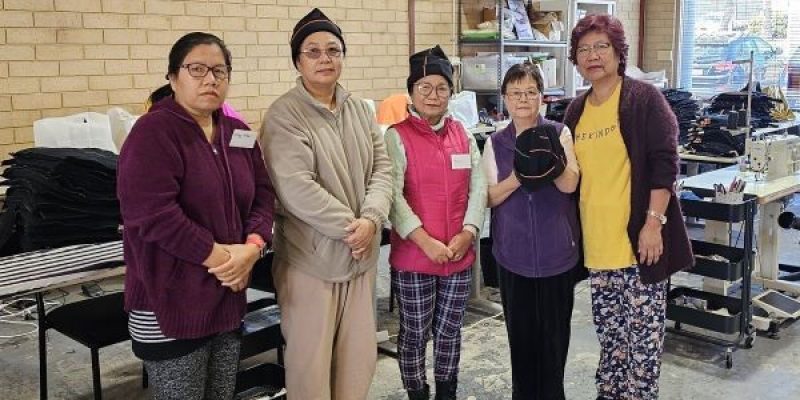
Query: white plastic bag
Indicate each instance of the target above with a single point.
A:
(121, 123)
(464, 107)
(84, 130)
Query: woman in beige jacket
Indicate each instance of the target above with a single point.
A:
(332, 176)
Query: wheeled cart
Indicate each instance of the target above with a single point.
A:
(711, 311)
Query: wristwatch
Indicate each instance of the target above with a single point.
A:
(262, 251)
(660, 217)
(256, 240)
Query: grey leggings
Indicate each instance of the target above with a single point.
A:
(208, 373)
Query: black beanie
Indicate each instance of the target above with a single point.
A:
(431, 61)
(539, 157)
(314, 21)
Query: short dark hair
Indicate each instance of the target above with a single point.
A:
(601, 23)
(519, 72)
(178, 53)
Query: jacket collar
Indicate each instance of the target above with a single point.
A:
(341, 96)
(168, 104)
(420, 123)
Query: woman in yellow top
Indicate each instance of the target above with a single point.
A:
(633, 234)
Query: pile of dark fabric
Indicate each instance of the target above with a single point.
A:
(685, 110)
(709, 137)
(58, 197)
(761, 105)
(557, 109)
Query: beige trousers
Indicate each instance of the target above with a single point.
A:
(329, 329)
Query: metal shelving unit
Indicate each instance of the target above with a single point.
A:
(569, 81)
(514, 42)
(578, 9)
(503, 46)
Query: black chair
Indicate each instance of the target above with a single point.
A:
(265, 378)
(95, 323)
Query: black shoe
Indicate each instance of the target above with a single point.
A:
(446, 390)
(421, 394)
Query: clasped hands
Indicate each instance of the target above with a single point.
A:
(235, 271)
(360, 234)
(440, 253)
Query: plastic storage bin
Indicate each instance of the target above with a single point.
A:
(727, 324)
(730, 270)
(480, 72)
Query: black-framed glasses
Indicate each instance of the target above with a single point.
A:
(316, 53)
(425, 89)
(600, 49)
(516, 95)
(199, 70)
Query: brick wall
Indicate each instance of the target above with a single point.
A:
(628, 12)
(434, 25)
(660, 36)
(60, 57)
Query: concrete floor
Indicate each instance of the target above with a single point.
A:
(691, 370)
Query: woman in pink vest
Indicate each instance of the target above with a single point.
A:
(439, 199)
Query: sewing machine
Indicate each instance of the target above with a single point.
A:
(774, 156)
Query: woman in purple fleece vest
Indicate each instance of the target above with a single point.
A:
(197, 205)
(535, 242)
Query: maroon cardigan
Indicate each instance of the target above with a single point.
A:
(650, 132)
(178, 197)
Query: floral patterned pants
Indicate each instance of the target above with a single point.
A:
(629, 319)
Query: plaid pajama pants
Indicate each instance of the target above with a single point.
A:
(425, 302)
(629, 317)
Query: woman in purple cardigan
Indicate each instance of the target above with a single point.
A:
(197, 205)
(633, 234)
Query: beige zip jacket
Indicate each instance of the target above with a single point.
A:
(328, 168)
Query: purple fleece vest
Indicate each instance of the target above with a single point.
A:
(534, 234)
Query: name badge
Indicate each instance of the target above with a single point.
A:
(461, 161)
(243, 139)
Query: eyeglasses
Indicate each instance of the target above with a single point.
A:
(198, 70)
(516, 95)
(600, 49)
(425, 89)
(331, 52)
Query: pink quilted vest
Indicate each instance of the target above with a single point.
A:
(436, 192)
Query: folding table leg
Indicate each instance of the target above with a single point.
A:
(98, 388)
(40, 318)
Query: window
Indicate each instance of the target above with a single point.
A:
(715, 34)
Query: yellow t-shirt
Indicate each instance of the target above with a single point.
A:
(605, 186)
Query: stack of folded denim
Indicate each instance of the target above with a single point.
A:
(711, 138)
(685, 110)
(57, 197)
(761, 106)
